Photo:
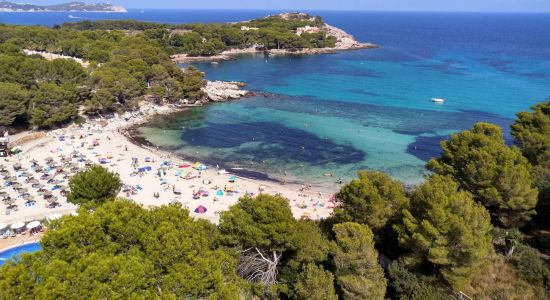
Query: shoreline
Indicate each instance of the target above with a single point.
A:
(115, 139)
(234, 53)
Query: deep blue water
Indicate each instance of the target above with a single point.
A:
(17, 251)
(360, 109)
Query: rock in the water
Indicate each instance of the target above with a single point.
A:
(223, 91)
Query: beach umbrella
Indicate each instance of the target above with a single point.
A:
(16, 185)
(17, 166)
(200, 209)
(3, 226)
(9, 201)
(49, 159)
(28, 197)
(22, 190)
(17, 225)
(219, 193)
(33, 225)
(47, 192)
(52, 200)
(34, 161)
(3, 193)
(56, 181)
(38, 186)
(4, 171)
(33, 181)
(232, 179)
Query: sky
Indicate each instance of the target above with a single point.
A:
(375, 5)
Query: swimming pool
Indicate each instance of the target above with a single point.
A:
(16, 251)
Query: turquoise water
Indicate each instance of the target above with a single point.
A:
(358, 109)
(369, 109)
(13, 253)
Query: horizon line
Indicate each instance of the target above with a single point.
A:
(343, 10)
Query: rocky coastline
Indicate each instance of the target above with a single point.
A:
(344, 42)
(215, 91)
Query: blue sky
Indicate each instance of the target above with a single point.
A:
(384, 5)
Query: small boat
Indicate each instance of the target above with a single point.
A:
(73, 17)
(438, 100)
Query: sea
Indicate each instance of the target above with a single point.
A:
(335, 114)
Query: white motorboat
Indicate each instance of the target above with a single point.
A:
(438, 100)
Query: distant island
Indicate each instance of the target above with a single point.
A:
(6, 6)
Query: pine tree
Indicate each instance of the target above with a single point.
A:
(447, 229)
(357, 271)
(373, 199)
(96, 184)
(498, 176)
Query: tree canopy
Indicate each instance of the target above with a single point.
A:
(357, 271)
(373, 199)
(96, 184)
(314, 283)
(273, 32)
(445, 228)
(124, 251)
(531, 131)
(271, 244)
(120, 69)
(498, 176)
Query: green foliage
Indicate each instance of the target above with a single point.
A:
(124, 251)
(210, 39)
(13, 102)
(264, 221)
(374, 199)
(531, 131)
(122, 68)
(96, 184)
(314, 283)
(499, 177)
(532, 267)
(357, 271)
(445, 228)
(52, 105)
(407, 285)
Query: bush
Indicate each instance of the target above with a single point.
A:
(96, 184)
(407, 285)
(531, 267)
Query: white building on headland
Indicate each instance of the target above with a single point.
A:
(307, 29)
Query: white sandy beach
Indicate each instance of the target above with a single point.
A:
(75, 145)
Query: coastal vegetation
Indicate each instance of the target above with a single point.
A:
(96, 184)
(273, 32)
(477, 225)
(122, 71)
(120, 63)
(446, 239)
